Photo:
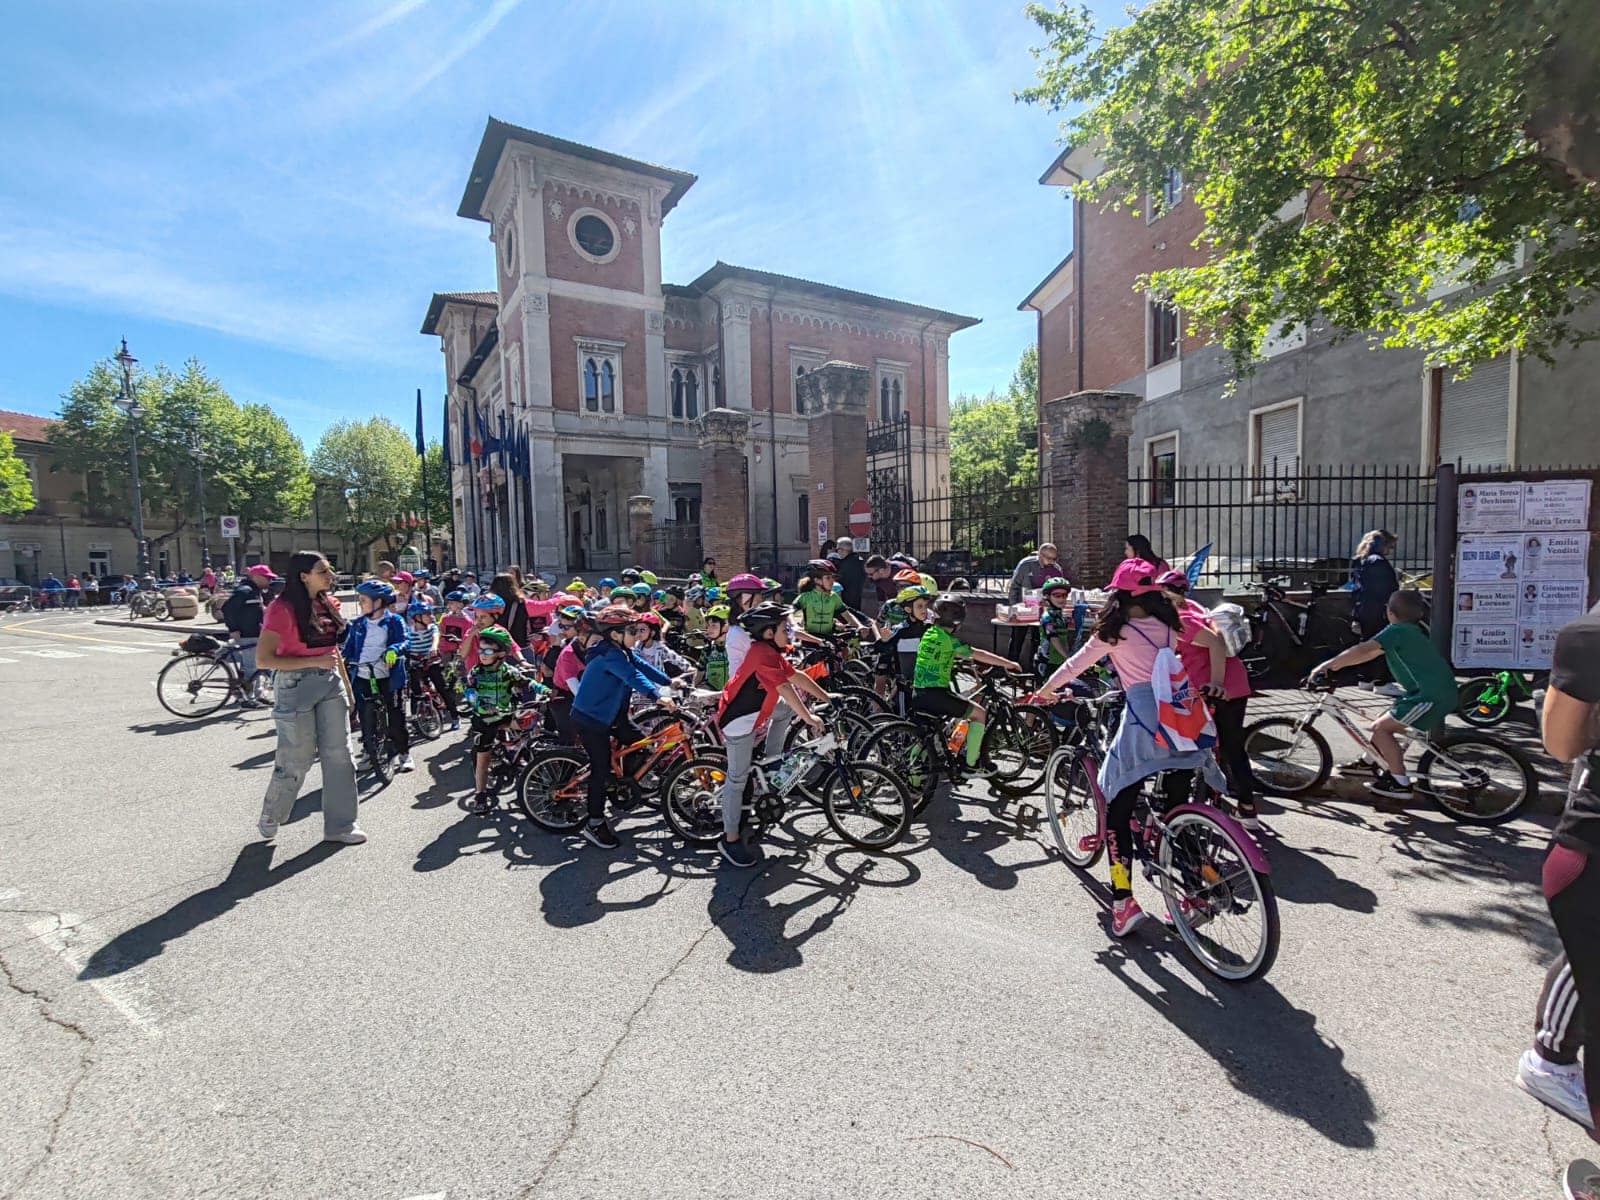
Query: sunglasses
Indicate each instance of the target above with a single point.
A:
(488, 651)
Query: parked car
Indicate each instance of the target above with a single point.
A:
(945, 565)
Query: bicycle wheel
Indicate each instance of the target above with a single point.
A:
(427, 717)
(163, 610)
(1482, 703)
(1070, 808)
(1476, 779)
(857, 672)
(1223, 910)
(375, 741)
(1019, 742)
(906, 749)
(691, 799)
(1287, 758)
(862, 701)
(194, 685)
(554, 789)
(867, 805)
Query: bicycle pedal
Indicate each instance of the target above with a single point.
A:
(1089, 843)
(1028, 816)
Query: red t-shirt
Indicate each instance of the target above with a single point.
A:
(279, 619)
(453, 629)
(1197, 659)
(754, 690)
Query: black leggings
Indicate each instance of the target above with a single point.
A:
(399, 735)
(434, 671)
(1575, 908)
(596, 743)
(1175, 788)
(1229, 716)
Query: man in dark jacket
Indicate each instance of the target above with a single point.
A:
(242, 613)
(852, 572)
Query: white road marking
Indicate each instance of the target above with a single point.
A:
(119, 649)
(65, 935)
(7, 660)
(52, 653)
(8, 894)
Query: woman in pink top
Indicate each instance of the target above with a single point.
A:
(1202, 650)
(300, 636)
(1133, 628)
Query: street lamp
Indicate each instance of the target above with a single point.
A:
(128, 402)
(200, 456)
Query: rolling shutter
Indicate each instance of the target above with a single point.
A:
(1278, 438)
(1473, 414)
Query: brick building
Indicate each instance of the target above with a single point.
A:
(598, 415)
(1311, 402)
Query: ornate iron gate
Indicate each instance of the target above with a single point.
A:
(889, 484)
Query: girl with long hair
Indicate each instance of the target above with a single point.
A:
(300, 636)
(515, 614)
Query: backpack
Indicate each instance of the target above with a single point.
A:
(1184, 718)
(1233, 626)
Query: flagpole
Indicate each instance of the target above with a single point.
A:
(427, 513)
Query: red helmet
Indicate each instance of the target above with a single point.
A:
(651, 619)
(745, 582)
(614, 616)
(907, 578)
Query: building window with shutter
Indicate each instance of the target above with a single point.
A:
(802, 507)
(1161, 465)
(1163, 332)
(1472, 416)
(1275, 449)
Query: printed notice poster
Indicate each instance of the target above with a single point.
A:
(1486, 602)
(1485, 645)
(1552, 601)
(1555, 556)
(1536, 645)
(1559, 504)
(1489, 507)
(1488, 558)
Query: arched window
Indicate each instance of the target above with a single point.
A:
(799, 398)
(691, 395)
(677, 394)
(591, 386)
(883, 399)
(894, 390)
(608, 388)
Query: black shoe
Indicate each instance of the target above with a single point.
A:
(1384, 785)
(601, 835)
(1359, 766)
(739, 854)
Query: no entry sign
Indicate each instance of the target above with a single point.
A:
(860, 518)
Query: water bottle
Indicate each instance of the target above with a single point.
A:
(958, 737)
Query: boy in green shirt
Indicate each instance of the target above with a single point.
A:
(821, 606)
(936, 659)
(1429, 682)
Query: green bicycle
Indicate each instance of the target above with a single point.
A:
(1488, 699)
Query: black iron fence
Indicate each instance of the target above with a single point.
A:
(974, 534)
(674, 548)
(1303, 524)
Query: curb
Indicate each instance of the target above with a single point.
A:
(173, 627)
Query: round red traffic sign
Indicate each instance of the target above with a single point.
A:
(860, 518)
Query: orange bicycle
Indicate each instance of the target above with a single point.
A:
(554, 787)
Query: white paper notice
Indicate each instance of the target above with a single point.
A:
(1560, 504)
(1552, 601)
(1486, 602)
(1489, 507)
(1536, 644)
(1555, 556)
(1485, 645)
(1484, 558)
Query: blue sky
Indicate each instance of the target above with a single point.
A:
(272, 188)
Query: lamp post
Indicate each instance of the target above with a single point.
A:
(128, 402)
(200, 456)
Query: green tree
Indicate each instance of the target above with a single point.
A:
(262, 474)
(373, 464)
(1349, 158)
(994, 439)
(16, 489)
(437, 508)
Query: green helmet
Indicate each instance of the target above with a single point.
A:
(1055, 584)
(649, 577)
(907, 594)
(496, 636)
(717, 612)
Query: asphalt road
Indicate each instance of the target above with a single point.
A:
(466, 1007)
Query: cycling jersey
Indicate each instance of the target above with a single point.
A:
(496, 690)
(820, 610)
(421, 640)
(1054, 623)
(936, 658)
(716, 666)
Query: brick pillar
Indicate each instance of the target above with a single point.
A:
(725, 489)
(641, 519)
(1087, 434)
(836, 397)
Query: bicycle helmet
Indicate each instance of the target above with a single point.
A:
(419, 608)
(821, 566)
(764, 617)
(649, 577)
(404, 577)
(608, 582)
(771, 586)
(456, 594)
(571, 612)
(1055, 584)
(1176, 580)
(695, 594)
(914, 592)
(649, 618)
(696, 577)
(577, 587)
(907, 577)
(717, 612)
(424, 574)
(640, 589)
(630, 575)
(948, 612)
(713, 594)
(745, 582)
(902, 559)
(488, 602)
(932, 584)
(658, 594)
(614, 616)
(838, 589)
(376, 589)
(497, 637)
(674, 590)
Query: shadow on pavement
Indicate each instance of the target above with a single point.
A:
(252, 872)
(1269, 1049)
(967, 843)
(1301, 876)
(184, 724)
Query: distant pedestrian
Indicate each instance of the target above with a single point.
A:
(1138, 546)
(74, 591)
(91, 589)
(852, 574)
(1029, 575)
(1372, 581)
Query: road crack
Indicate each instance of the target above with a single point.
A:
(86, 1046)
(575, 1109)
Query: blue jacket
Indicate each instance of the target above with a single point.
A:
(394, 631)
(1373, 580)
(609, 674)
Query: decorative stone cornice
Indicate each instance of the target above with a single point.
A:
(836, 387)
(588, 191)
(725, 427)
(654, 322)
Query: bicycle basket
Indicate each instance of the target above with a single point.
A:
(1233, 626)
(200, 643)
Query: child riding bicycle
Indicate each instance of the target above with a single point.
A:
(492, 684)
(374, 651)
(936, 657)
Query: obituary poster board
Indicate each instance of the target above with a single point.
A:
(1522, 570)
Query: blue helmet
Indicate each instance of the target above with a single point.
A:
(419, 608)
(376, 589)
(658, 594)
(608, 582)
(457, 594)
(489, 602)
(640, 589)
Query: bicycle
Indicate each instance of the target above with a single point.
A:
(203, 675)
(1289, 637)
(1489, 699)
(516, 741)
(425, 706)
(865, 803)
(1213, 877)
(1472, 778)
(924, 747)
(372, 719)
(148, 604)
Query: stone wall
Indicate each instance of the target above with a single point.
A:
(1087, 471)
(725, 489)
(836, 397)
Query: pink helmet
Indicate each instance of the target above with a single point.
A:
(745, 582)
(1174, 579)
(1134, 575)
(405, 577)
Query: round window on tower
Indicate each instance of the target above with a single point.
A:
(593, 235)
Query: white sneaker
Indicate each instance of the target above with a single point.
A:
(267, 828)
(404, 763)
(1389, 689)
(353, 837)
(1559, 1088)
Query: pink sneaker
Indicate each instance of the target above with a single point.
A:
(1125, 917)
